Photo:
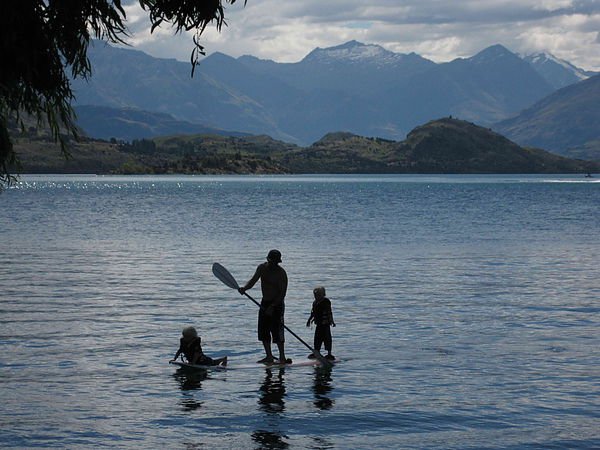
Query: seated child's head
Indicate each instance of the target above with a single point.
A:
(189, 333)
(319, 292)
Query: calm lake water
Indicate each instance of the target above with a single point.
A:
(467, 308)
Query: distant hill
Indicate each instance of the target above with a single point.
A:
(103, 122)
(566, 122)
(197, 154)
(354, 87)
(39, 154)
(441, 146)
(456, 146)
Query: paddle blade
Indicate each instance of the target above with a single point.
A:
(223, 274)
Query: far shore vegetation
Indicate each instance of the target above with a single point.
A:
(442, 146)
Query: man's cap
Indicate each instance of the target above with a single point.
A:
(274, 256)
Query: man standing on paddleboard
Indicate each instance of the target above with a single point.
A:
(273, 283)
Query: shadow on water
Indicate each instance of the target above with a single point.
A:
(322, 387)
(188, 382)
(271, 401)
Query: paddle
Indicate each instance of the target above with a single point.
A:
(227, 279)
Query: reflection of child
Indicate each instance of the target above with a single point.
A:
(189, 345)
(322, 316)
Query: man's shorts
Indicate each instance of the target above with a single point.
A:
(270, 328)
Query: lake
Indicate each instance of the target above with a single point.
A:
(467, 311)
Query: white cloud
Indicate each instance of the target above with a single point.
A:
(553, 5)
(441, 30)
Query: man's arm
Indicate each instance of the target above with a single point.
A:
(252, 281)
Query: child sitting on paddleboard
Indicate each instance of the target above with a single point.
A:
(189, 345)
(322, 316)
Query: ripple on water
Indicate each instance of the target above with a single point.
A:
(466, 312)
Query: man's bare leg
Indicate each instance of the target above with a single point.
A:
(269, 358)
(282, 358)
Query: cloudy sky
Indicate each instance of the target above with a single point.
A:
(441, 30)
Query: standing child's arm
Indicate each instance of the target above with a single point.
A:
(330, 315)
(311, 318)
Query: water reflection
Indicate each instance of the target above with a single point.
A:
(269, 439)
(190, 381)
(321, 443)
(322, 388)
(271, 401)
(272, 392)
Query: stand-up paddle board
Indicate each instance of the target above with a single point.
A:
(189, 366)
(301, 363)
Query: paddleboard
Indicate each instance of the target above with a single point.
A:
(301, 363)
(189, 366)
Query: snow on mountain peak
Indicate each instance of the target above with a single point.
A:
(545, 58)
(548, 58)
(354, 52)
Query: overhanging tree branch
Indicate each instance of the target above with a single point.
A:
(42, 40)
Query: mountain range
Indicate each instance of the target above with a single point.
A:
(354, 87)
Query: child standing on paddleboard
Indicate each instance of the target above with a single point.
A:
(322, 316)
(189, 345)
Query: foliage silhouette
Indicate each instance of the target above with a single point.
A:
(41, 41)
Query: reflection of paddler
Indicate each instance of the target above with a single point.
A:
(321, 388)
(272, 392)
(269, 439)
(190, 381)
(273, 283)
